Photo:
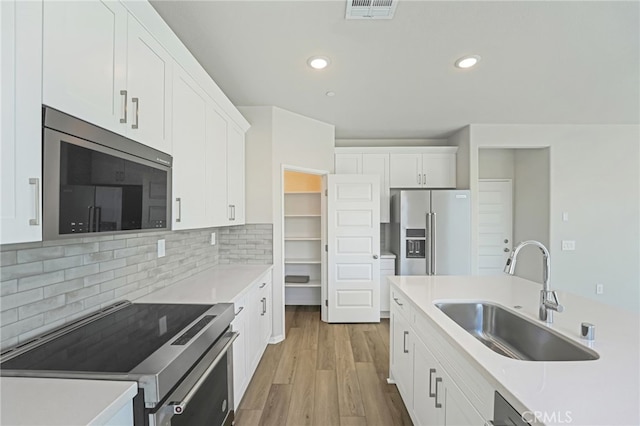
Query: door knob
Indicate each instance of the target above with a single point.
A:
(506, 250)
(375, 256)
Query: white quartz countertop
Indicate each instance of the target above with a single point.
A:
(387, 255)
(63, 402)
(605, 391)
(221, 283)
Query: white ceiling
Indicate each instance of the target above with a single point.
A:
(542, 62)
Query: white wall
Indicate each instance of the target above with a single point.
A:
(496, 164)
(280, 139)
(595, 177)
(531, 208)
(462, 139)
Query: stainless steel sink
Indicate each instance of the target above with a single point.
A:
(513, 336)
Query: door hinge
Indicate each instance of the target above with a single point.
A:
(326, 247)
(326, 302)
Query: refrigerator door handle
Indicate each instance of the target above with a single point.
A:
(428, 244)
(433, 243)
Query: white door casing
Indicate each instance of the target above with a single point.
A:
(495, 225)
(353, 230)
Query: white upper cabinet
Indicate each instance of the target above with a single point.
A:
(217, 207)
(84, 61)
(348, 164)
(149, 69)
(235, 173)
(20, 121)
(101, 65)
(189, 161)
(435, 168)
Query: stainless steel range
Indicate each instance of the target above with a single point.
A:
(179, 354)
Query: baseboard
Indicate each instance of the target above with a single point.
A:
(276, 339)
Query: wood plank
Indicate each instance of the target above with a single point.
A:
(340, 332)
(299, 317)
(353, 421)
(303, 390)
(349, 398)
(289, 312)
(258, 389)
(359, 343)
(310, 333)
(373, 398)
(398, 410)
(383, 330)
(287, 365)
(247, 418)
(277, 406)
(379, 354)
(326, 349)
(327, 410)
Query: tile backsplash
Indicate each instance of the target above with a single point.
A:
(45, 284)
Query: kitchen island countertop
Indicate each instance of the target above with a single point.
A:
(605, 391)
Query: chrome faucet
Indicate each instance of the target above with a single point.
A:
(548, 299)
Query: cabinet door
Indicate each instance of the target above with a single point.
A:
(235, 174)
(426, 371)
(254, 316)
(20, 121)
(405, 170)
(378, 164)
(84, 60)
(439, 170)
(265, 324)
(149, 69)
(458, 410)
(240, 372)
(216, 189)
(402, 357)
(348, 164)
(189, 163)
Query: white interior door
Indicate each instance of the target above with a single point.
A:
(495, 225)
(353, 235)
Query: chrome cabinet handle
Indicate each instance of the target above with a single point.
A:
(239, 310)
(178, 407)
(438, 380)
(264, 305)
(396, 299)
(230, 212)
(233, 211)
(404, 345)
(431, 372)
(137, 102)
(36, 197)
(179, 201)
(263, 284)
(124, 118)
(424, 178)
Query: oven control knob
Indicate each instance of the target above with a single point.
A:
(178, 408)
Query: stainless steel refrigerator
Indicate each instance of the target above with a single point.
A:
(431, 232)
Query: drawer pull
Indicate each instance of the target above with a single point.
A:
(431, 372)
(263, 284)
(239, 310)
(396, 299)
(404, 344)
(438, 380)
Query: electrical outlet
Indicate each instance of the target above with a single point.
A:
(599, 288)
(161, 248)
(568, 245)
(213, 238)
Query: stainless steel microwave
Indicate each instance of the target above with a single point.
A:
(95, 181)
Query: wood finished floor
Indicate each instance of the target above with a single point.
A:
(325, 375)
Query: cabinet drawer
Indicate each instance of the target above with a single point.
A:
(400, 303)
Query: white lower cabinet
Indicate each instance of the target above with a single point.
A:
(387, 268)
(253, 322)
(429, 392)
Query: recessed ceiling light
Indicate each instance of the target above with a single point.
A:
(330, 94)
(467, 61)
(318, 62)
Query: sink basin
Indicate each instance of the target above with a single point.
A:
(513, 336)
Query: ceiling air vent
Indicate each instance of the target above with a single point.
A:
(371, 9)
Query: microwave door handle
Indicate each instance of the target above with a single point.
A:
(98, 218)
(90, 219)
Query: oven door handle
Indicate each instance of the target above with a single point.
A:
(179, 406)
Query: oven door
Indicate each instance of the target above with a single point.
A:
(205, 395)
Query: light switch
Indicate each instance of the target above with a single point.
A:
(565, 216)
(568, 245)
(161, 248)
